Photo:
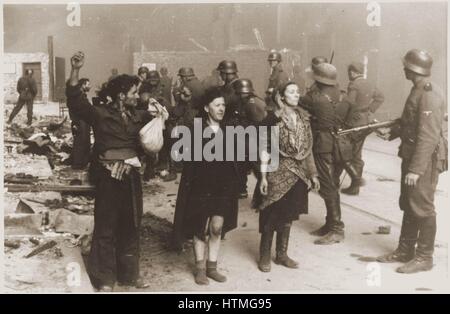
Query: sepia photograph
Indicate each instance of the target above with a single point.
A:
(206, 147)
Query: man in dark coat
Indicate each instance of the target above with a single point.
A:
(27, 89)
(423, 151)
(365, 99)
(114, 255)
(188, 79)
(229, 74)
(81, 130)
(331, 153)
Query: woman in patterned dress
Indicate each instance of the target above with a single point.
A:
(285, 190)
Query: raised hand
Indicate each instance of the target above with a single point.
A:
(77, 60)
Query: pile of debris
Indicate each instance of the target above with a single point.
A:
(44, 197)
(49, 138)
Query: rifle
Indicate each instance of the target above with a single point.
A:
(368, 127)
(332, 56)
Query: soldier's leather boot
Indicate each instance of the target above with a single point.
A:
(336, 232)
(321, 231)
(353, 189)
(423, 261)
(406, 244)
(265, 251)
(282, 245)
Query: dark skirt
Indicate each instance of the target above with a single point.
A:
(201, 209)
(286, 209)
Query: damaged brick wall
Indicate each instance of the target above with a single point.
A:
(13, 65)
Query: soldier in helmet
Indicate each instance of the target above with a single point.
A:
(277, 77)
(423, 153)
(365, 99)
(188, 79)
(251, 106)
(311, 84)
(253, 111)
(228, 73)
(331, 154)
(234, 115)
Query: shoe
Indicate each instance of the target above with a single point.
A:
(331, 238)
(425, 248)
(200, 273)
(211, 272)
(353, 189)
(417, 264)
(282, 245)
(140, 283)
(105, 288)
(396, 256)
(170, 177)
(321, 231)
(265, 252)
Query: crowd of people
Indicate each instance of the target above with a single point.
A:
(311, 157)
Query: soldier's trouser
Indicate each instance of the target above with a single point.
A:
(115, 245)
(357, 161)
(20, 103)
(329, 170)
(408, 234)
(418, 202)
(81, 132)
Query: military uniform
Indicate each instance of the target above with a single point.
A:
(330, 114)
(423, 151)
(27, 89)
(232, 102)
(277, 78)
(364, 99)
(196, 88)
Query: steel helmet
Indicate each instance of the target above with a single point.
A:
(143, 69)
(318, 60)
(227, 66)
(325, 73)
(243, 86)
(186, 72)
(418, 61)
(274, 56)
